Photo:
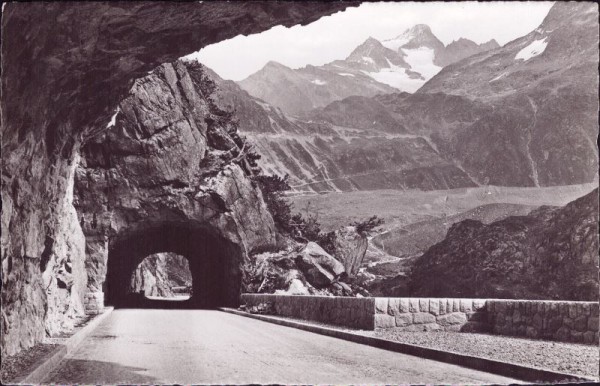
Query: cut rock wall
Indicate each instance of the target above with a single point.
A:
(563, 321)
(65, 67)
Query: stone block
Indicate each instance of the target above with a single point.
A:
(593, 323)
(588, 337)
(587, 309)
(423, 305)
(384, 321)
(516, 317)
(562, 334)
(594, 307)
(413, 305)
(538, 321)
(466, 305)
(576, 337)
(448, 306)
(394, 306)
(381, 305)
(403, 306)
(568, 322)
(455, 305)
(455, 318)
(423, 317)
(434, 306)
(442, 306)
(499, 319)
(555, 323)
(531, 332)
(581, 323)
(403, 320)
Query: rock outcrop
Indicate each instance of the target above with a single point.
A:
(300, 269)
(552, 253)
(65, 68)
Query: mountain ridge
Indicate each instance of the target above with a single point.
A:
(373, 67)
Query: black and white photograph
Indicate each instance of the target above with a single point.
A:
(299, 192)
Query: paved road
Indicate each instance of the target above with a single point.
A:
(198, 346)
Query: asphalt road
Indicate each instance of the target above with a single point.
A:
(199, 346)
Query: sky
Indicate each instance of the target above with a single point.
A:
(334, 37)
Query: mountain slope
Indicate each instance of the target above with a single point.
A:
(365, 149)
(541, 92)
(552, 253)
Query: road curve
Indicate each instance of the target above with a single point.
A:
(135, 346)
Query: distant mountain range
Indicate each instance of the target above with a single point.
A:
(524, 114)
(404, 63)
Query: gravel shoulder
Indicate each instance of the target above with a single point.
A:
(577, 359)
(571, 358)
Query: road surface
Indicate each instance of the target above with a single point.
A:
(134, 346)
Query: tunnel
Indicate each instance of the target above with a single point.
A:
(214, 262)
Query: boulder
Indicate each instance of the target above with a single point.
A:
(320, 268)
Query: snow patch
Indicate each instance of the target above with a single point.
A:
(318, 82)
(345, 74)
(421, 60)
(368, 60)
(113, 120)
(396, 77)
(537, 47)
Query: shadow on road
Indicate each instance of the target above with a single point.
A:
(98, 373)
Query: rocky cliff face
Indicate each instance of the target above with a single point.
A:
(158, 274)
(172, 159)
(552, 253)
(72, 64)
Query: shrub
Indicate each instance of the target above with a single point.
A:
(366, 226)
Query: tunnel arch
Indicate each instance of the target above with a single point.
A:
(214, 261)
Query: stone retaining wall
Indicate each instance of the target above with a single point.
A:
(342, 311)
(423, 314)
(550, 320)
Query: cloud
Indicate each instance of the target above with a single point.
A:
(334, 37)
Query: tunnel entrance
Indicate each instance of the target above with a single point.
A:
(214, 263)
